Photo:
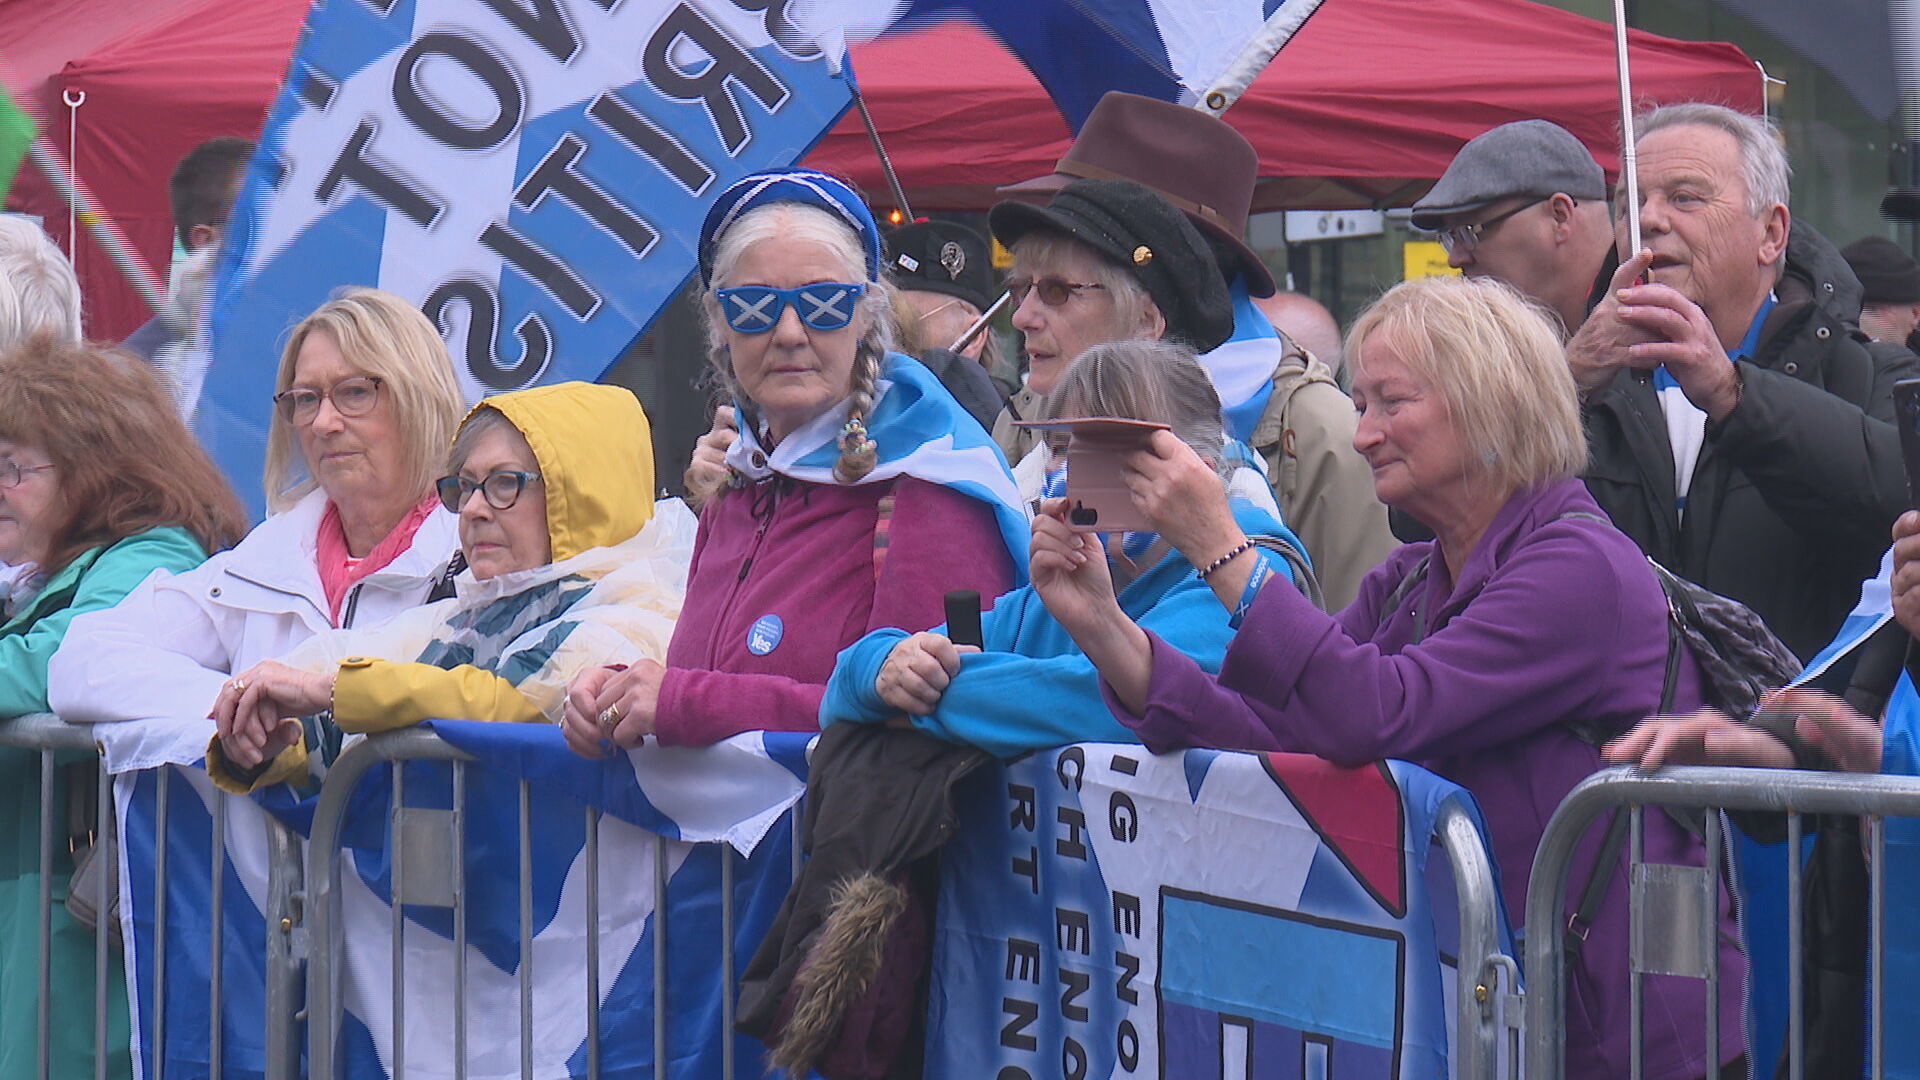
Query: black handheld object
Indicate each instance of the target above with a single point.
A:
(963, 615)
(1906, 416)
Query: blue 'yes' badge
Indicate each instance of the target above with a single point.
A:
(764, 635)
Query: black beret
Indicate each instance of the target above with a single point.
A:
(1888, 275)
(942, 257)
(1148, 236)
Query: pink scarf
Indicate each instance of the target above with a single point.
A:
(340, 571)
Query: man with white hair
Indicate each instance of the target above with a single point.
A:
(1740, 423)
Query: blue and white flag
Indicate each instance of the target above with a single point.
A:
(732, 802)
(532, 174)
(1195, 52)
(1108, 913)
(918, 430)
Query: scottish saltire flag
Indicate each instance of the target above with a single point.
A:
(732, 802)
(532, 174)
(1195, 52)
(1242, 367)
(918, 430)
(1107, 913)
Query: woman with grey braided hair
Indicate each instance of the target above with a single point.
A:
(860, 493)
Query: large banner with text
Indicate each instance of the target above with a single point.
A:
(1106, 913)
(532, 173)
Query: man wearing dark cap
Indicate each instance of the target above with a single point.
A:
(1890, 289)
(1279, 399)
(943, 277)
(1525, 203)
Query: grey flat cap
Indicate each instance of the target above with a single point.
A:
(1527, 157)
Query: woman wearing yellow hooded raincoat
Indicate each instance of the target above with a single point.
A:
(570, 564)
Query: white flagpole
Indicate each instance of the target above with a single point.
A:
(1629, 157)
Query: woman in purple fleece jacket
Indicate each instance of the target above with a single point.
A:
(1533, 615)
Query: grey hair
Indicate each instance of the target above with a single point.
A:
(482, 420)
(1130, 297)
(1158, 381)
(800, 221)
(38, 290)
(1763, 161)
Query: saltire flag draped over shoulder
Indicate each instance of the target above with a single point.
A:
(738, 795)
(1185, 51)
(531, 172)
(1106, 913)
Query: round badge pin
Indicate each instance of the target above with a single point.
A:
(764, 635)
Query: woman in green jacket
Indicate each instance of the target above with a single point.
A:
(100, 485)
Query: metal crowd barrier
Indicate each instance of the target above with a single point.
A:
(1487, 1009)
(439, 836)
(1782, 791)
(49, 736)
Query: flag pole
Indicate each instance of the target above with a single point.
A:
(1629, 156)
(886, 163)
(979, 324)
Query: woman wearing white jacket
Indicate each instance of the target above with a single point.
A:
(366, 403)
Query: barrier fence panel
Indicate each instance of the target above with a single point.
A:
(515, 911)
(1110, 913)
(138, 897)
(1674, 908)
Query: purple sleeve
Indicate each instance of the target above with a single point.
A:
(939, 540)
(1511, 662)
(699, 707)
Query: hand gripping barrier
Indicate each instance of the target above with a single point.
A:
(429, 850)
(1792, 793)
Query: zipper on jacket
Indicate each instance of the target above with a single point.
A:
(353, 603)
(746, 564)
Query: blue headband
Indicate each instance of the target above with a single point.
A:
(789, 186)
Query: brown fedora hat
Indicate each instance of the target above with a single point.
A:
(1197, 162)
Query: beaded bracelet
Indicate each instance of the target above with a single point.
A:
(1244, 547)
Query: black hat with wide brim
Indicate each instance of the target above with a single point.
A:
(1149, 237)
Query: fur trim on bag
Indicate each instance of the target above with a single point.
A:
(840, 966)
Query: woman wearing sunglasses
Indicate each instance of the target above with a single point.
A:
(861, 493)
(365, 403)
(570, 565)
(1106, 260)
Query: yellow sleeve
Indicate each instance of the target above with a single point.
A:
(381, 695)
(290, 764)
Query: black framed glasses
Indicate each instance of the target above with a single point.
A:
(1053, 291)
(824, 305)
(1467, 237)
(355, 396)
(500, 488)
(13, 474)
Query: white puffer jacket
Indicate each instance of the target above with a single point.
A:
(162, 653)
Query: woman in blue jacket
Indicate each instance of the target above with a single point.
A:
(1030, 686)
(100, 485)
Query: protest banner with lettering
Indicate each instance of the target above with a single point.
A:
(1107, 913)
(532, 173)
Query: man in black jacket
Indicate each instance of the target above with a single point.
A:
(1740, 422)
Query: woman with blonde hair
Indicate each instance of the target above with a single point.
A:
(366, 404)
(1498, 655)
